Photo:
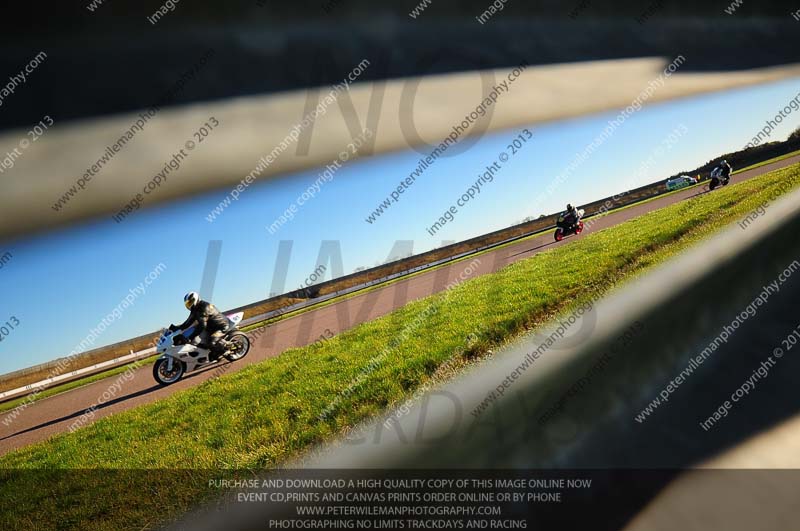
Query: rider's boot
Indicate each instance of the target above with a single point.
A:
(217, 350)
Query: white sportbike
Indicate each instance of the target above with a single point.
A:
(178, 356)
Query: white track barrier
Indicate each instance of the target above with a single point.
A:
(78, 373)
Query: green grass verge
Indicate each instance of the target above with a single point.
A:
(266, 413)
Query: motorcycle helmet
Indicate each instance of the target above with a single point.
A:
(190, 299)
(569, 207)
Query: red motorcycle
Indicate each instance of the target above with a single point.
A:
(567, 225)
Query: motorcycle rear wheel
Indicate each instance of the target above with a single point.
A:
(240, 346)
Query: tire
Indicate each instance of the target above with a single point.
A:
(240, 346)
(579, 228)
(164, 378)
(713, 184)
(559, 235)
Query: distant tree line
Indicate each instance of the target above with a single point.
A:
(751, 155)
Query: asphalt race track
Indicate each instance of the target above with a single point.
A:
(55, 414)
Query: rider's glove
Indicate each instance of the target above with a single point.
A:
(179, 340)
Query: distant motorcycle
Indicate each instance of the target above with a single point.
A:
(179, 356)
(567, 226)
(717, 179)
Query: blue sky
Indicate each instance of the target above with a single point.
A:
(61, 285)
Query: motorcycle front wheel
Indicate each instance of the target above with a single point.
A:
(165, 376)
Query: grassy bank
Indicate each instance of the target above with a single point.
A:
(268, 412)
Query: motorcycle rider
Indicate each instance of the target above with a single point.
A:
(211, 325)
(726, 169)
(723, 171)
(568, 218)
